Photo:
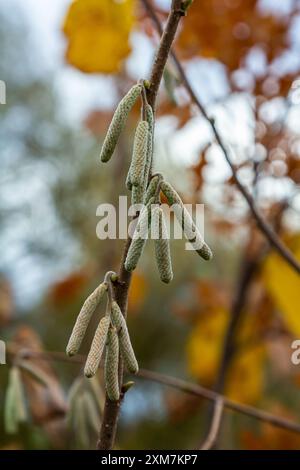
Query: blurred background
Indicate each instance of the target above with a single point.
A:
(66, 65)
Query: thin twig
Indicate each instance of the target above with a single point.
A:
(173, 382)
(208, 394)
(269, 233)
(215, 425)
(248, 268)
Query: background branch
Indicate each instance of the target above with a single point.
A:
(178, 384)
(215, 425)
(265, 228)
(211, 395)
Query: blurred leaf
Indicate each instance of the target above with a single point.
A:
(34, 372)
(85, 408)
(98, 121)
(198, 168)
(6, 301)
(181, 112)
(226, 31)
(80, 423)
(15, 405)
(272, 437)
(170, 82)
(205, 344)
(283, 284)
(47, 405)
(91, 412)
(245, 381)
(98, 34)
(67, 289)
(137, 292)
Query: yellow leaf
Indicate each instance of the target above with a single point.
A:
(98, 34)
(205, 343)
(245, 378)
(283, 284)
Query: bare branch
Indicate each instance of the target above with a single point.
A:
(168, 35)
(215, 425)
(208, 394)
(269, 233)
(173, 382)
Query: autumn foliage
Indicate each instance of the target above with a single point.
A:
(247, 300)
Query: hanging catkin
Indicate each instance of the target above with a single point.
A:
(128, 182)
(111, 369)
(152, 187)
(118, 122)
(162, 246)
(137, 195)
(83, 319)
(139, 239)
(139, 191)
(125, 343)
(150, 120)
(97, 347)
(139, 155)
(188, 226)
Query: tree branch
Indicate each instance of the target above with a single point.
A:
(269, 233)
(112, 408)
(211, 395)
(173, 382)
(247, 271)
(215, 425)
(167, 38)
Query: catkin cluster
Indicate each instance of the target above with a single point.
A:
(111, 337)
(146, 189)
(153, 216)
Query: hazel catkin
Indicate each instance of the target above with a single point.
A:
(83, 319)
(188, 226)
(139, 155)
(97, 347)
(111, 368)
(162, 246)
(124, 338)
(138, 241)
(118, 122)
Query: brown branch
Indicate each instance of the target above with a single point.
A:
(24, 353)
(269, 233)
(248, 268)
(167, 38)
(247, 271)
(211, 395)
(112, 408)
(178, 384)
(215, 425)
